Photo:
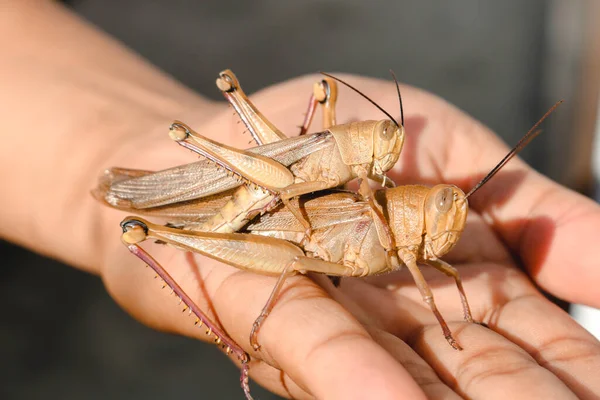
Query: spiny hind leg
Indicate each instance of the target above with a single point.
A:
(135, 232)
(262, 130)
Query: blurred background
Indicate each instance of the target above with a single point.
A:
(505, 63)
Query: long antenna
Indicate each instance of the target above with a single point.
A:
(529, 136)
(399, 96)
(363, 95)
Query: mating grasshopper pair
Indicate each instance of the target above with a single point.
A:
(337, 233)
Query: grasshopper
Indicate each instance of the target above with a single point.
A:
(323, 160)
(131, 189)
(346, 239)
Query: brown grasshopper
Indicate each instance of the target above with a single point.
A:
(171, 193)
(341, 153)
(346, 239)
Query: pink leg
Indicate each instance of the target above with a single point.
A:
(324, 93)
(310, 113)
(220, 337)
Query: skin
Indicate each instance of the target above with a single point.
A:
(76, 102)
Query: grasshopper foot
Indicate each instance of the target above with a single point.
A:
(254, 333)
(453, 342)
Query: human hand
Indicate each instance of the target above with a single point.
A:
(375, 338)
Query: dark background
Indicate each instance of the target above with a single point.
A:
(62, 337)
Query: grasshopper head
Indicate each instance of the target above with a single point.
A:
(446, 206)
(388, 135)
(388, 138)
(445, 216)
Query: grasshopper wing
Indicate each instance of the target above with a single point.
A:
(322, 211)
(185, 214)
(135, 189)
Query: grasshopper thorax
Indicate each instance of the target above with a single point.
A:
(445, 216)
(388, 139)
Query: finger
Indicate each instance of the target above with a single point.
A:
(277, 381)
(421, 372)
(491, 367)
(417, 367)
(316, 341)
(553, 339)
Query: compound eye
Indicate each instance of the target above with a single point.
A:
(444, 200)
(387, 131)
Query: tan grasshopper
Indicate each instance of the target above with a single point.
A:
(346, 239)
(327, 159)
(227, 204)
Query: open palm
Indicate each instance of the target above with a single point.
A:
(375, 337)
